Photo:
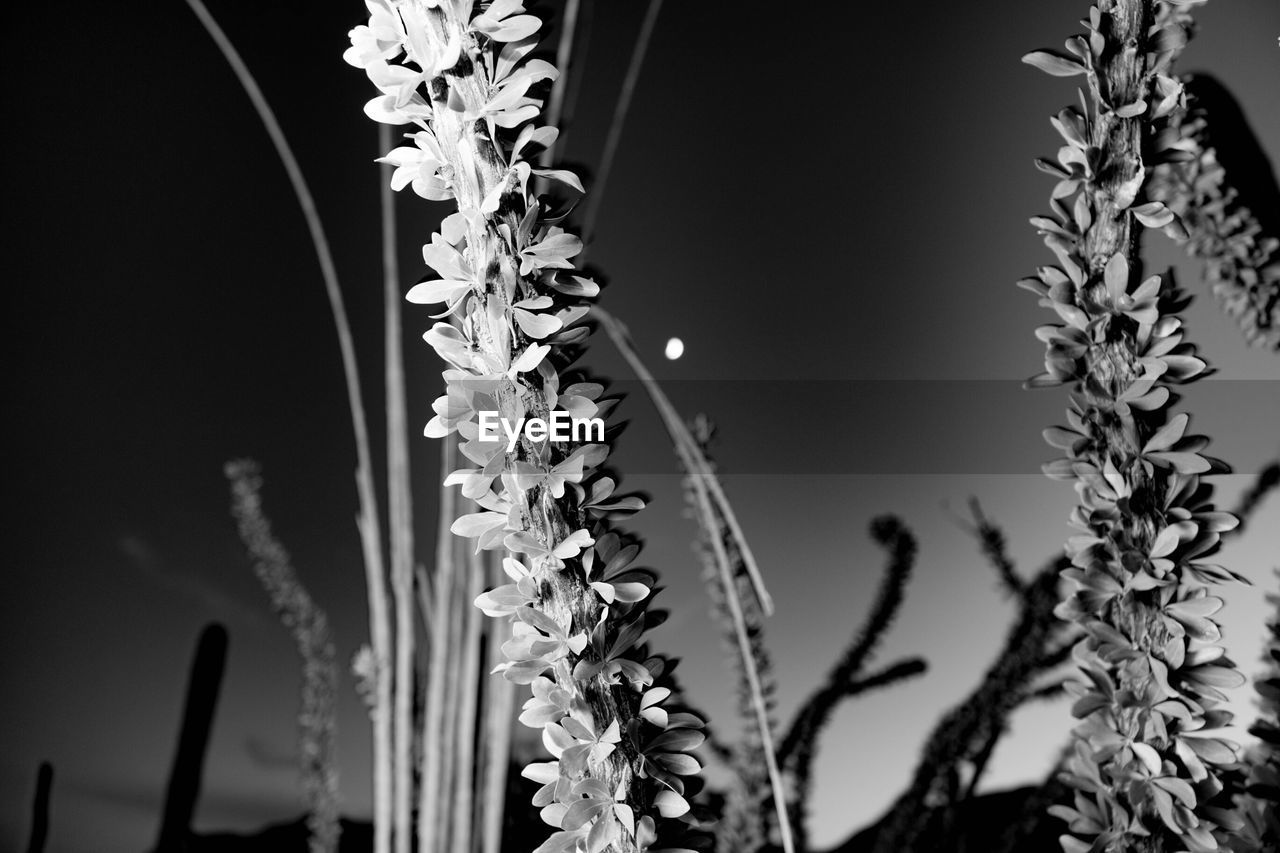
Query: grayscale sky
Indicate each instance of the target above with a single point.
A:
(827, 202)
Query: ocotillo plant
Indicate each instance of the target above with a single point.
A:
(1222, 188)
(578, 604)
(309, 625)
(1147, 778)
(744, 823)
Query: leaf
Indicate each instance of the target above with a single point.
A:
(1148, 756)
(1153, 214)
(477, 523)
(440, 290)
(675, 740)
(1183, 463)
(1180, 789)
(670, 804)
(564, 176)
(1053, 63)
(1169, 434)
(536, 326)
(1116, 275)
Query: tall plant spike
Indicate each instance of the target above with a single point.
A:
(1149, 774)
(496, 742)
(461, 77)
(309, 625)
(367, 523)
(432, 789)
(1223, 189)
(399, 520)
(744, 824)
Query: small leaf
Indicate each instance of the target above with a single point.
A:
(1053, 63)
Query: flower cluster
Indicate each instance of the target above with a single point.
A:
(461, 76)
(1149, 772)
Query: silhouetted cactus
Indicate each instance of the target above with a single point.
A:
(183, 790)
(40, 809)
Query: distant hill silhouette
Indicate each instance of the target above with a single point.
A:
(980, 827)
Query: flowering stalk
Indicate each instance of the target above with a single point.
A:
(744, 822)
(307, 622)
(1146, 777)
(579, 608)
(376, 662)
(1221, 207)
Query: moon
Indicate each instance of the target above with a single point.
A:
(675, 349)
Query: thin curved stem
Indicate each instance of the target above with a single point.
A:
(367, 521)
(687, 448)
(619, 118)
(564, 58)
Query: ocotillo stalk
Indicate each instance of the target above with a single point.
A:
(399, 521)
(430, 812)
(309, 625)
(499, 700)
(1147, 778)
(193, 740)
(580, 608)
(40, 809)
(1226, 194)
(367, 523)
(468, 652)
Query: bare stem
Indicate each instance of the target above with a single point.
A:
(367, 521)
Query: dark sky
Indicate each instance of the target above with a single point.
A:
(828, 204)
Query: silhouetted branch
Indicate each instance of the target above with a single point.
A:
(889, 532)
(799, 746)
(994, 548)
(970, 728)
(1265, 483)
(890, 675)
